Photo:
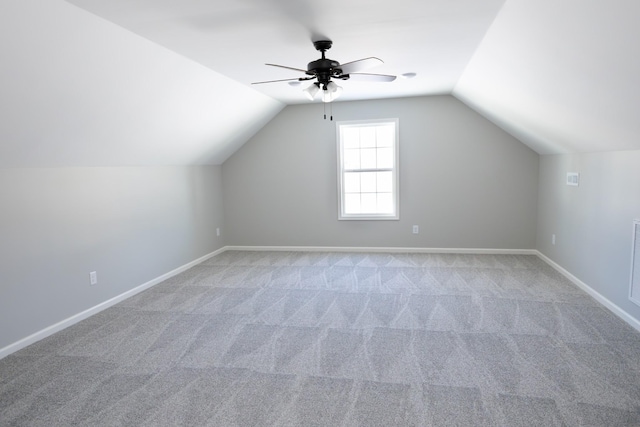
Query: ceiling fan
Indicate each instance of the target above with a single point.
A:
(323, 70)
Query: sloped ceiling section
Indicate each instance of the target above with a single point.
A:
(562, 76)
(76, 90)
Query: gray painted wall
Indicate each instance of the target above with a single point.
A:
(464, 181)
(592, 222)
(130, 225)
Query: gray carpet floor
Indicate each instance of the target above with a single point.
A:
(337, 339)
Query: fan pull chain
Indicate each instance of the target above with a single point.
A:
(324, 107)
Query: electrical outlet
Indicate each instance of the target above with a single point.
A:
(93, 278)
(416, 229)
(573, 178)
(218, 231)
(553, 239)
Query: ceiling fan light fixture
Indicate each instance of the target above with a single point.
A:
(331, 92)
(311, 91)
(332, 87)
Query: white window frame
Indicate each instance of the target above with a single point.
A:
(395, 171)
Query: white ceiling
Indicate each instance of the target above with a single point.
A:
(167, 82)
(433, 38)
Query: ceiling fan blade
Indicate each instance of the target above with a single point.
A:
(288, 68)
(297, 79)
(360, 64)
(363, 77)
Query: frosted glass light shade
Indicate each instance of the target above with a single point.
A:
(332, 92)
(311, 91)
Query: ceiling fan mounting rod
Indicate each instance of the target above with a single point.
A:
(324, 68)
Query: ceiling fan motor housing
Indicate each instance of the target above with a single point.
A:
(323, 66)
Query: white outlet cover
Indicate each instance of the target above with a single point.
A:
(573, 178)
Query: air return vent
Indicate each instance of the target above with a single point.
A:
(634, 294)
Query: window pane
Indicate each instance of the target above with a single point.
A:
(385, 157)
(384, 182)
(369, 203)
(352, 204)
(386, 135)
(367, 136)
(385, 203)
(352, 182)
(368, 182)
(352, 159)
(368, 158)
(351, 137)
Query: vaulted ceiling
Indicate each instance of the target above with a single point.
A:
(152, 82)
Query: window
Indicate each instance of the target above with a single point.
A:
(368, 169)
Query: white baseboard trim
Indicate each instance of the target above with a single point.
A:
(12, 348)
(50, 330)
(478, 251)
(632, 321)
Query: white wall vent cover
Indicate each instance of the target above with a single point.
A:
(634, 293)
